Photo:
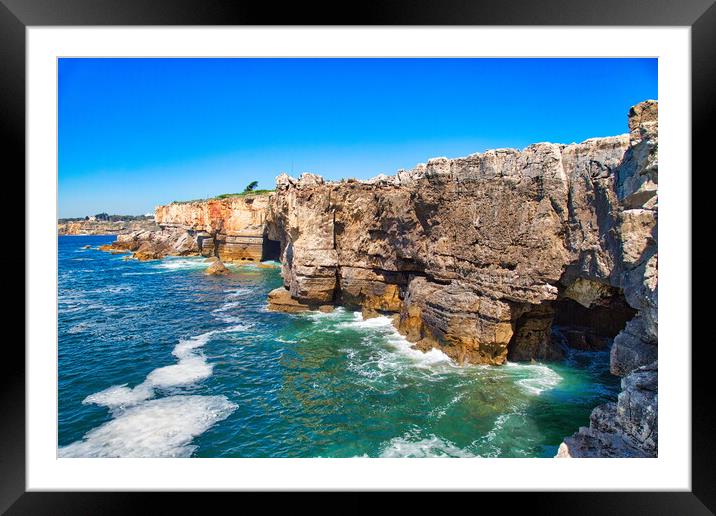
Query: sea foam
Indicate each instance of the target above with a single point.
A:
(409, 445)
(163, 427)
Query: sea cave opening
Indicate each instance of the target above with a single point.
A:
(270, 249)
(548, 330)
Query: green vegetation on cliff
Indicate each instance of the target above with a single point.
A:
(246, 193)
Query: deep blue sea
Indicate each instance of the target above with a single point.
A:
(157, 359)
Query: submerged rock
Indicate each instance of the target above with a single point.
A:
(217, 268)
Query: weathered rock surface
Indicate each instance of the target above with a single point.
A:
(231, 228)
(627, 428)
(216, 268)
(475, 254)
(472, 251)
(280, 300)
(154, 245)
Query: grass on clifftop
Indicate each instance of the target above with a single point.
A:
(227, 196)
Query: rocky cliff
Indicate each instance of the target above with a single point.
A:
(478, 256)
(232, 229)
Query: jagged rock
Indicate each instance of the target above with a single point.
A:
(280, 300)
(454, 318)
(217, 267)
(144, 256)
(632, 348)
(587, 292)
(532, 338)
(627, 428)
(231, 228)
(444, 246)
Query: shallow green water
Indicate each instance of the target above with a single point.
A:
(157, 359)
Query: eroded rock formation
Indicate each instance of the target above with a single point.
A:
(475, 253)
(232, 229)
(477, 256)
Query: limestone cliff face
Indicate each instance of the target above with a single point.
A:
(98, 227)
(231, 229)
(477, 255)
(473, 252)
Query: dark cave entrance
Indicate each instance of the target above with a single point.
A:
(270, 249)
(590, 328)
(548, 330)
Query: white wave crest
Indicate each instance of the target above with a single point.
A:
(409, 445)
(189, 370)
(181, 263)
(384, 326)
(540, 378)
(119, 396)
(158, 428)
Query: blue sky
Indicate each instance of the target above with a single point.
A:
(135, 133)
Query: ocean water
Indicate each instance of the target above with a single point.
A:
(157, 359)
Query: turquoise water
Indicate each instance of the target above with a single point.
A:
(157, 359)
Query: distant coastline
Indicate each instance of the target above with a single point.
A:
(105, 225)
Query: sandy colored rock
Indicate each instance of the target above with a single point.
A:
(280, 300)
(216, 268)
(444, 246)
(232, 228)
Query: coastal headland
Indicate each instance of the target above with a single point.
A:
(479, 257)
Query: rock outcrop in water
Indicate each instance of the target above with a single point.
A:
(476, 256)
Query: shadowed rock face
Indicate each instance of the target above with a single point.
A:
(472, 252)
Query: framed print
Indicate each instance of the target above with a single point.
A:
(416, 250)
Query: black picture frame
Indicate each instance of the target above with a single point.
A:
(17, 15)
